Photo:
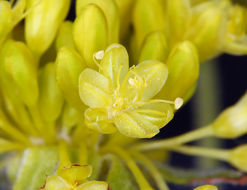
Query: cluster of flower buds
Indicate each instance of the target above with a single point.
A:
(213, 26)
(73, 80)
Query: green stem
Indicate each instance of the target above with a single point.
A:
(153, 170)
(140, 178)
(188, 137)
(218, 154)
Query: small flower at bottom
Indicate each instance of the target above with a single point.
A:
(206, 187)
(121, 98)
(73, 178)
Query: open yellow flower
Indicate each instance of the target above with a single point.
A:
(74, 178)
(121, 98)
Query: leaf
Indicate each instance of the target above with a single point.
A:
(119, 177)
(37, 163)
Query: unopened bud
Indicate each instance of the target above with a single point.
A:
(154, 47)
(51, 97)
(183, 67)
(149, 16)
(89, 36)
(110, 10)
(64, 36)
(69, 67)
(20, 66)
(238, 157)
(232, 122)
(5, 20)
(43, 21)
(208, 32)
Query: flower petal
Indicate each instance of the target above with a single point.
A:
(97, 119)
(56, 183)
(94, 88)
(93, 185)
(133, 124)
(115, 63)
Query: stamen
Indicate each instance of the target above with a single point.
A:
(98, 56)
(178, 103)
(150, 111)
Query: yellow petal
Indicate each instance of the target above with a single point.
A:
(75, 173)
(97, 119)
(115, 63)
(94, 88)
(56, 183)
(134, 125)
(93, 185)
(155, 74)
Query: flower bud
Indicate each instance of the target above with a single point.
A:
(5, 20)
(64, 36)
(183, 67)
(235, 42)
(70, 117)
(20, 67)
(208, 32)
(115, 58)
(90, 37)
(232, 122)
(149, 16)
(69, 67)
(125, 8)
(51, 97)
(206, 187)
(238, 157)
(179, 16)
(110, 10)
(18, 11)
(154, 47)
(42, 23)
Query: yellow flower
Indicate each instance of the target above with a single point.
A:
(73, 178)
(122, 99)
(206, 187)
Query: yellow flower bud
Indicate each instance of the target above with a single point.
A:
(154, 47)
(19, 65)
(238, 157)
(179, 16)
(183, 67)
(125, 8)
(89, 36)
(110, 10)
(70, 117)
(65, 36)
(208, 32)
(235, 40)
(5, 20)
(42, 23)
(232, 122)
(69, 66)
(51, 97)
(206, 187)
(149, 16)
